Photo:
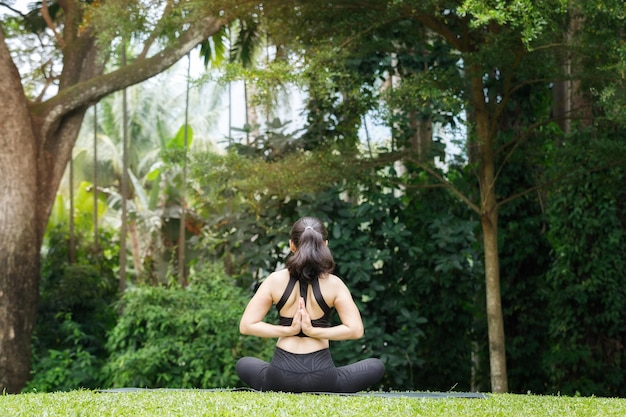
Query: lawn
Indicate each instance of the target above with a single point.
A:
(243, 403)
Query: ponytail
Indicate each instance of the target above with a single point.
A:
(312, 257)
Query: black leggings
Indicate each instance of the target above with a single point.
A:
(309, 372)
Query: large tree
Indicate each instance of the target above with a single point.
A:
(37, 134)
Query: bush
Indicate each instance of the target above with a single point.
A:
(586, 281)
(174, 337)
(74, 313)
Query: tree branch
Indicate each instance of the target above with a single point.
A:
(446, 184)
(45, 13)
(442, 29)
(3, 4)
(89, 91)
(155, 33)
(49, 79)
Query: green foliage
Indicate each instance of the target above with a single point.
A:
(73, 366)
(83, 209)
(251, 195)
(437, 266)
(528, 17)
(587, 216)
(604, 67)
(297, 174)
(180, 337)
(75, 312)
(246, 41)
(131, 19)
(182, 140)
(370, 243)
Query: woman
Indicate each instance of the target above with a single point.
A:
(302, 360)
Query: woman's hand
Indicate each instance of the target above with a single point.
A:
(306, 325)
(252, 323)
(296, 323)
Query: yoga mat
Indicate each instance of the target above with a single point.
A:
(409, 394)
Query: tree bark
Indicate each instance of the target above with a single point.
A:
(36, 141)
(495, 320)
(19, 228)
(489, 223)
(569, 101)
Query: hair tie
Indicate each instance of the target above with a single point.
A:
(309, 227)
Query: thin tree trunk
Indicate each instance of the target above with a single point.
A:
(489, 223)
(124, 185)
(422, 138)
(72, 251)
(245, 100)
(252, 116)
(569, 101)
(134, 246)
(182, 273)
(495, 320)
(95, 175)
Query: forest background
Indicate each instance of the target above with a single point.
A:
(486, 210)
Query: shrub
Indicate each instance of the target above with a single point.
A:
(174, 337)
(74, 313)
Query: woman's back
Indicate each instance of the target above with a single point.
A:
(315, 299)
(279, 281)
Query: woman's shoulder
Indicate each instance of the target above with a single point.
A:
(278, 277)
(275, 283)
(333, 281)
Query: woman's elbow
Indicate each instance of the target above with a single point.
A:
(357, 332)
(244, 328)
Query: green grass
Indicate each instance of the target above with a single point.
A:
(208, 403)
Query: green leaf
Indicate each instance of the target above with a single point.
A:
(178, 141)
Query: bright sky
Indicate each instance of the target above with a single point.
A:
(20, 5)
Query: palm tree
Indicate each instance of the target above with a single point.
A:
(155, 109)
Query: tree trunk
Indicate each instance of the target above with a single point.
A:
(495, 320)
(569, 101)
(135, 248)
(19, 228)
(489, 223)
(422, 139)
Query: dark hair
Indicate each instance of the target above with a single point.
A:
(312, 257)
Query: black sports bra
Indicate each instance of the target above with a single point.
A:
(323, 321)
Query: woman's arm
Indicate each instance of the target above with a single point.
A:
(252, 323)
(351, 326)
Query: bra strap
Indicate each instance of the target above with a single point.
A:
(286, 294)
(317, 292)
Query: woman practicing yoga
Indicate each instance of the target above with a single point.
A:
(302, 360)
